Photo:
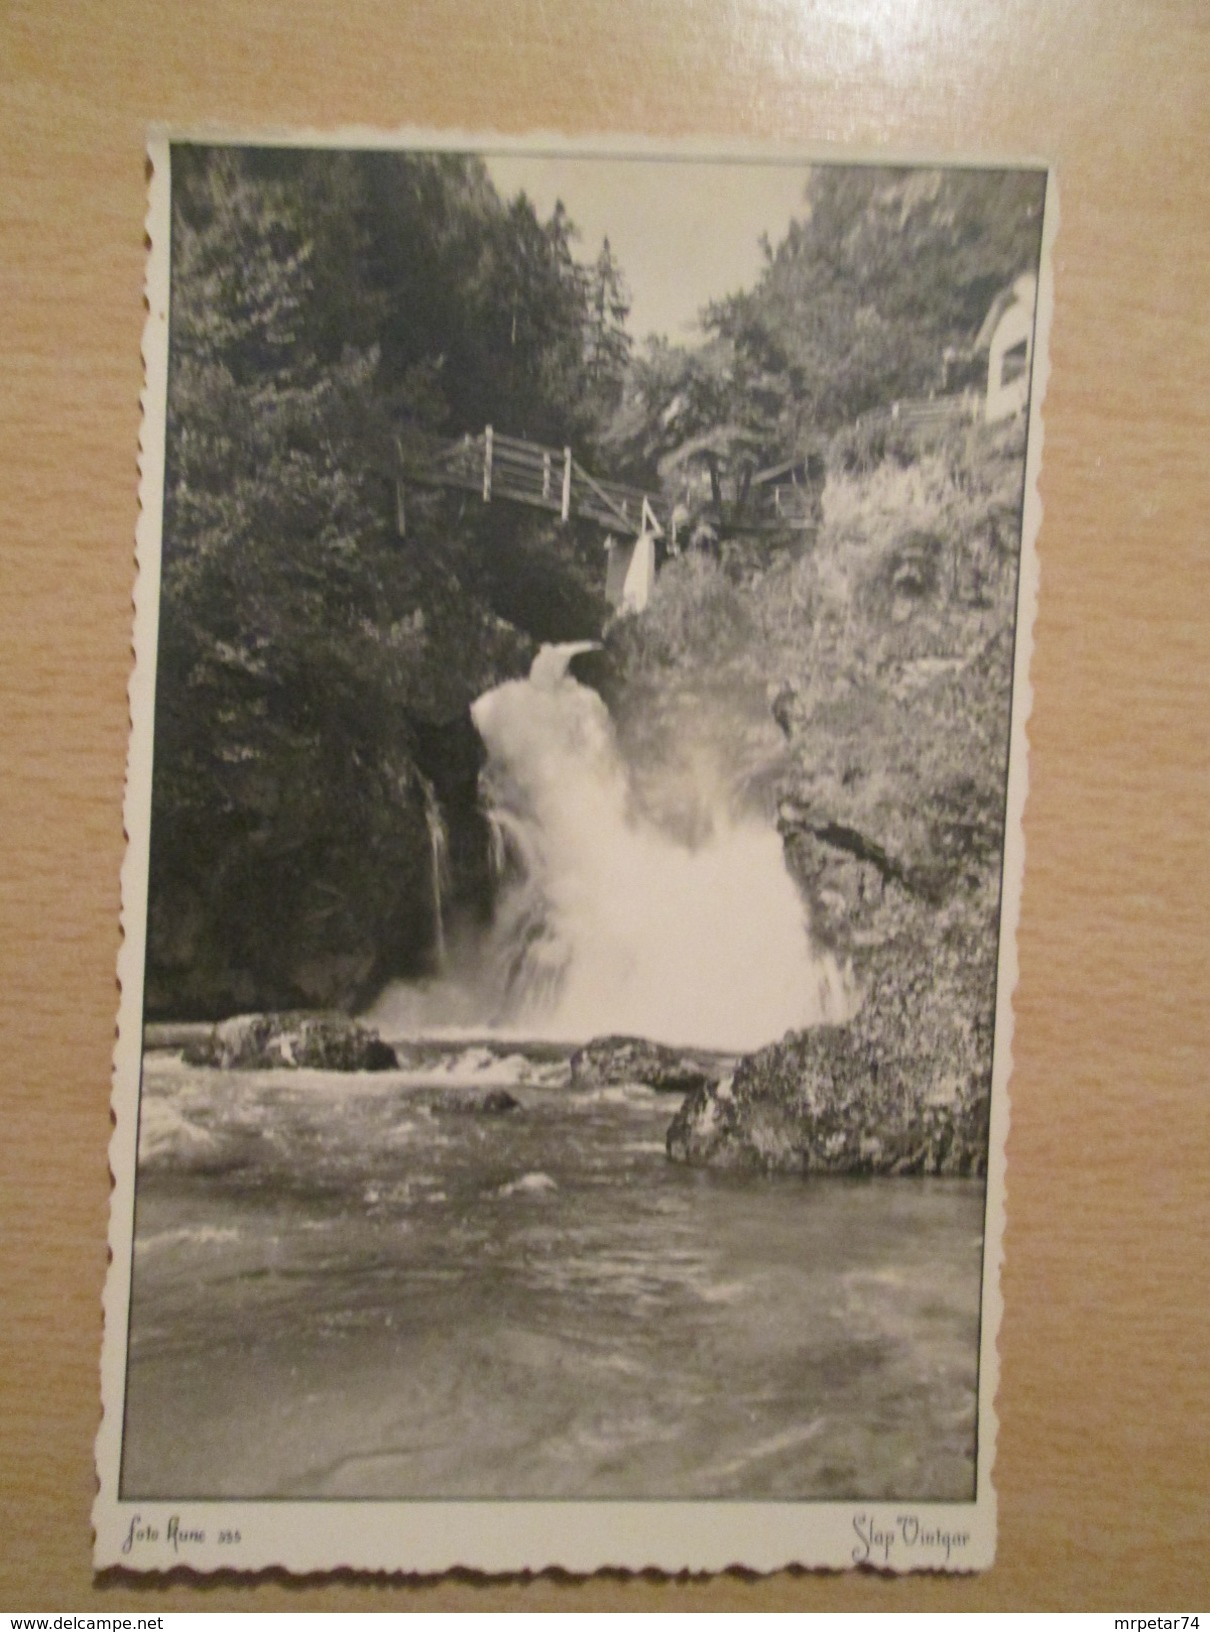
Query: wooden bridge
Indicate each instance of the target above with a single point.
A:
(505, 467)
(492, 466)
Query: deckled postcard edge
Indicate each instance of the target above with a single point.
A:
(431, 1537)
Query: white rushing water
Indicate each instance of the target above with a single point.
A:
(439, 868)
(606, 922)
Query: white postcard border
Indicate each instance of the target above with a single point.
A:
(415, 1537)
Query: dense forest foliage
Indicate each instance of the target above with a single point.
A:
(315, 669)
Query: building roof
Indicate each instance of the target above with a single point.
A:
(1022, 290)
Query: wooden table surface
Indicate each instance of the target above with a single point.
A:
(1104, 1458)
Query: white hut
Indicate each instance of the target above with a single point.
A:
(1008, 336)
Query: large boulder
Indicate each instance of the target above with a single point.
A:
(320, 1042)
(823, 1102)
(608, 1061)
(902, 1087)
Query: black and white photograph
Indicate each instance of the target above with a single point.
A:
(574, 811)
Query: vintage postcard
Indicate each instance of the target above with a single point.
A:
(574, 808)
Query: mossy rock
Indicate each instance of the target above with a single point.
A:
(824, 1102)
(609, 1061)
(317, 1042)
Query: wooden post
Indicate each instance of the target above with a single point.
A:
(546, 475)
(487, 464)
(716, 491)
(741, 498)
(566, 483)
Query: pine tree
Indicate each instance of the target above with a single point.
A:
(606, 341)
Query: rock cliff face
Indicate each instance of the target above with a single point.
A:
(313, 887)
(892, 702)
(906, 895)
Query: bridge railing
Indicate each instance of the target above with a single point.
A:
(510, 467)
(923, 413)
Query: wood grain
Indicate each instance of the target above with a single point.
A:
(1104, 1457)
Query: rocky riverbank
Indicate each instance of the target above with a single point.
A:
(836, 1099)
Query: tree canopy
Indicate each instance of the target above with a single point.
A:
(885, 269)
(855, 307)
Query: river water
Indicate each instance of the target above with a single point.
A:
(359, 1285)
(346, 1285)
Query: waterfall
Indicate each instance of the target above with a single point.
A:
(497, 846)
(439, 866)
(605, 921)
